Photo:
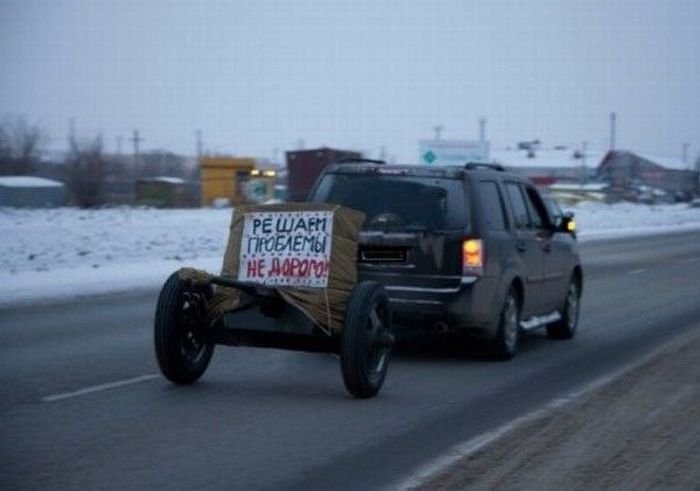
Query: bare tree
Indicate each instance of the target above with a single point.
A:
(20, 147)
(86, 172)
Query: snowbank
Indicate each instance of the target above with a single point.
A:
(65, 252)
(601, 221)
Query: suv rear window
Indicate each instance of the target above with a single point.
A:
(397, 201)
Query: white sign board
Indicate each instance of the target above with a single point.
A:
(256, 190)
(452, 152)
(284, 248)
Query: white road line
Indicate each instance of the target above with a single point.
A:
(99, 388)
(636, 271)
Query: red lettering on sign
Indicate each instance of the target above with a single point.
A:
(255, 268)
(291, 268)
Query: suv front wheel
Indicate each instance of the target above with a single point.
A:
(566, 327)
(505, 344)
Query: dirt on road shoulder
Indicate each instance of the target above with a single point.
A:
(640, 431)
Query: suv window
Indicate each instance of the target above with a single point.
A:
(554, 209)
(537, 210)
(492, 205)
(398, 201)
(517, 205)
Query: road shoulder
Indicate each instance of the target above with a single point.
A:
(638, 431)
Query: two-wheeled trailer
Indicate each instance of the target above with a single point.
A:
(185, 337)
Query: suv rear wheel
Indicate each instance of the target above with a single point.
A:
(505, 344)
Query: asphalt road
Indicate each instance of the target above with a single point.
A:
(82, 407)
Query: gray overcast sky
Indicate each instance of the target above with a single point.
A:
(260, 75)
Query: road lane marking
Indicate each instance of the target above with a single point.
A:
(636, 271)
(99, 388)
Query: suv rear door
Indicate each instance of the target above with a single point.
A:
(414, 226)
(494, 228)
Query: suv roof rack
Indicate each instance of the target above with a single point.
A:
(359, 160)
(481, 165)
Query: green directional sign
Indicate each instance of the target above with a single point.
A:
(452, 152)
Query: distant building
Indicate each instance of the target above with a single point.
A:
(546, 166)
(32, 192)
(632, 176)
(225, 178)
(304, 167)
(260, 186)
(162, 192)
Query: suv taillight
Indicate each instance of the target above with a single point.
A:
(472, 257)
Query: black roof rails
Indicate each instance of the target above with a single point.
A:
(359, 160)
(481, 165)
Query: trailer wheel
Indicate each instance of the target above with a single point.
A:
(181, 357)
(366, 340)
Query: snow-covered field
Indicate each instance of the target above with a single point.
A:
(67, 252)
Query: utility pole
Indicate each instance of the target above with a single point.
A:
(482, 129)
(438, 130)
(136, 140)
(119, 145)
(71, 132)
(686, 145)
(200, 145)
(584, 151)
(613, 129)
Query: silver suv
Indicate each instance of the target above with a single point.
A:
(470, 249)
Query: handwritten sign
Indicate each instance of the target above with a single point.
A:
(286, 248)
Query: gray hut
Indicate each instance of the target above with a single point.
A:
(31, 192)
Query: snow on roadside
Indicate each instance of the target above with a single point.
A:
(47, 240)
(65, 252)
(601, 221)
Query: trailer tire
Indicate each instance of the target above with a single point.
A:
(181, 358)
(366, 340)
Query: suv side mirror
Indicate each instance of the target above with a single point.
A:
(567, 224)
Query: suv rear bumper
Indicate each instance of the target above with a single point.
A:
(472, 305)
